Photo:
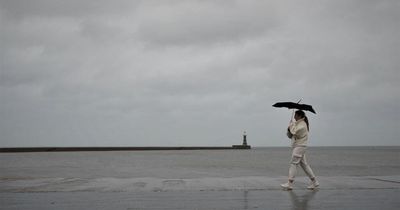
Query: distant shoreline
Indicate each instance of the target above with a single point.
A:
(89, 149)
(233, 147)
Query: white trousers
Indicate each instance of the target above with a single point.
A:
(299, 158)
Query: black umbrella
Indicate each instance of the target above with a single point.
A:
(292, 105)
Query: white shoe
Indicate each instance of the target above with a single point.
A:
(287, 186)
(313, 185)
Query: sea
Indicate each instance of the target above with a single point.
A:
(190, 164)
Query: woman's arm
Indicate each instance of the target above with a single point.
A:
(297, 130)
(289, 135)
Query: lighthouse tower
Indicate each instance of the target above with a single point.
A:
(244, 138)
(244, 145)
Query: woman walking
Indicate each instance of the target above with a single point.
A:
(298, 132)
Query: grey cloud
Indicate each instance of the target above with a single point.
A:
(203, 22)
(197, 72)
(55, 8)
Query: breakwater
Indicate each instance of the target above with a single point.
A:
(82, 149)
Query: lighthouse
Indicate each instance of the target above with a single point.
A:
(244, 138)
(244, 145)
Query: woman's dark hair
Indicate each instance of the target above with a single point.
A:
(301, 114)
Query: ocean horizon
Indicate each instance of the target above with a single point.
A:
(258, 161)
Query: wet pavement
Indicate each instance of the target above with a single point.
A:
(378, 192)
(49, 185)
(365, 199)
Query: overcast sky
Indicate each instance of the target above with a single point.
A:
(197, 73)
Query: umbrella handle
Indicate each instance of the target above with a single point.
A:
(293, 112)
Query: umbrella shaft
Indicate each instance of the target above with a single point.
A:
(293, 112)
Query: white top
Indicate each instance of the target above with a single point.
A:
(298, 132)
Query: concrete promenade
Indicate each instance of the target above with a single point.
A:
(375, 192)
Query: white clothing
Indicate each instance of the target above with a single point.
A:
(298, 132)
(299, 158)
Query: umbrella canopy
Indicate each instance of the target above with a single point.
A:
(292, 105)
